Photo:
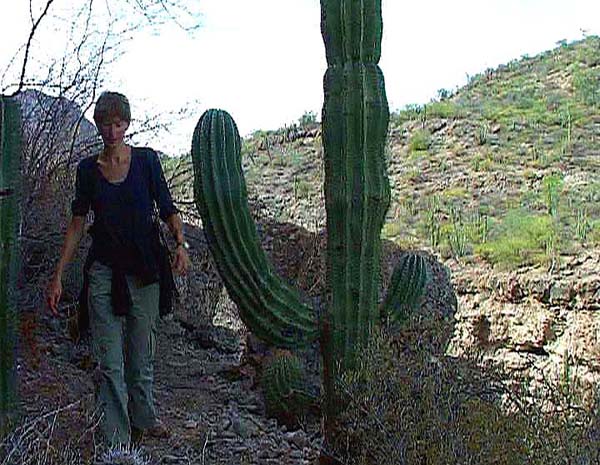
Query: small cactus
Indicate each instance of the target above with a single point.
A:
(285, 387)
(407, 286)
(124, 454)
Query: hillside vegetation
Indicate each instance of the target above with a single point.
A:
(503, 170)
(506, 168)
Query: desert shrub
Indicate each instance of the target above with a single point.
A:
(410, 112)
(562, 412)
(392, 229)
(420, 140)
(302, 188)
(482, 162)
(444, 94)
(520, 237)
(35, 440)
(43, 440)
(444, 109)
(594, 235)
(308, 118)
(585, 82)
(407, 406)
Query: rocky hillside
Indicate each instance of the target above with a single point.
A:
(500, 180)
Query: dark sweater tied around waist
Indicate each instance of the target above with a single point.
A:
(120, 294)
(139, 260)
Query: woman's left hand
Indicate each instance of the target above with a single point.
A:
(181, 261)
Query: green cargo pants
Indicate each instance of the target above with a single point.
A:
(123, 384)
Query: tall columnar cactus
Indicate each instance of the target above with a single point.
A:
(357, 194)
(10, 149)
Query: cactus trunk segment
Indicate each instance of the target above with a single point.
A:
(10, 150)
(271, 309)
(357, 193)
(352, 31)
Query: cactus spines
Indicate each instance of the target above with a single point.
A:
(271, 308)
(351, 30)
(407, 286)
(124, 454)
(10, 150)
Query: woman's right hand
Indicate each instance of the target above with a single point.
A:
(53, 293)
(72, 237)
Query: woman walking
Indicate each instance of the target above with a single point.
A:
(122, 185)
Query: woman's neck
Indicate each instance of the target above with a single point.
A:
(116, 154)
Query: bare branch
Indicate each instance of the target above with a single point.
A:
(91, 100)
(36, 23)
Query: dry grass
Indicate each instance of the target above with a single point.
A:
(406, 407)
(37, 440)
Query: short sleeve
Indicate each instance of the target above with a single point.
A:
(160, 190)
(82, 201)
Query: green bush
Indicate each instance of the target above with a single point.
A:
(302, 188)
(585, 82)
(445, 109)
(410, 112)
(420, 140)
(308, 118)
(392, 230)
(520, 238)
(594, 234)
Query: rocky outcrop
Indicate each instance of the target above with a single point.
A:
(533, 322)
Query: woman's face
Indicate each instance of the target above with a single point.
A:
(113, 130)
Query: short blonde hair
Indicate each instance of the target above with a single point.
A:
(112, 104)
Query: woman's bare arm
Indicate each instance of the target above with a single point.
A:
(72, 238)
(176, 227)
(181, 261)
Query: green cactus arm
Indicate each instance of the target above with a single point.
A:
(271, 308)
(10, 156)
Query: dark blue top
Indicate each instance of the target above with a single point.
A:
(124, 234)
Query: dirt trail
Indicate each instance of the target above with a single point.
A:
(209, 401)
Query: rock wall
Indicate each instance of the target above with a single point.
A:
(533, 322)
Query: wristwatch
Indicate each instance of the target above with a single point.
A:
(184, 244)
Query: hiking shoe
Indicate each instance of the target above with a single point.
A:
(158, 431)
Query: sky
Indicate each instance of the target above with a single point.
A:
(263, 60)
